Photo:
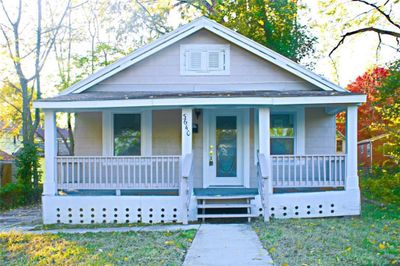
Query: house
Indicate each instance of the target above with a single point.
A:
(202, 123)
(7, 168)
(372, 151)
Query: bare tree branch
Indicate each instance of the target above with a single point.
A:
(368, 29)
(387, 16)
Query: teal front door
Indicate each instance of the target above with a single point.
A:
(225, 148)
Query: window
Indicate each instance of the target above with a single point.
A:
(362, 148)
(205, 59)
(127, 134)
(282, 134)
(339, 146)
(369, 149)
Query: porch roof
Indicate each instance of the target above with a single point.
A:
(96, 99)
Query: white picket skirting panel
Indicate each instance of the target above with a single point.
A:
(118, 172)
(308, 170)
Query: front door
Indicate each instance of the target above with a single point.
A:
(224, 161)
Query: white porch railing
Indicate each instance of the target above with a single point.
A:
(308, 170)
(118, 172)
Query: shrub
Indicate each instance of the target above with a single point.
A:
(383, 184)
(15, 195)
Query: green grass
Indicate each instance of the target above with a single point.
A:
(127, 248)
(371, 239)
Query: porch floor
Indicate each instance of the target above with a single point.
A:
(124, 192)
(306, 189)
(225, 191)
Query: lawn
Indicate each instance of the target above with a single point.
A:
(127, 248)
(371, 239)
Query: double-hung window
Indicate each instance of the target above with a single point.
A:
(127, 134)
(282, 133)
(210, 59)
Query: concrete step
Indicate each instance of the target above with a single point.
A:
(236, 215)
(224, 206)
(216, 197)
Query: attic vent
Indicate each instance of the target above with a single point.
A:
(205, 59)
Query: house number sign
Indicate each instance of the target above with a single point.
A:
(185, 124)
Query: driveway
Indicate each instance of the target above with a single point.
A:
(21, 218)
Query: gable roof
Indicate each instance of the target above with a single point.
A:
(188, 29)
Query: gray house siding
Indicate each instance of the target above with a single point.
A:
(161, 71)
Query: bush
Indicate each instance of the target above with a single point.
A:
(15, 195)
(383, 184)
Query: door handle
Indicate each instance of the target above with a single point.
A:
(211, 153)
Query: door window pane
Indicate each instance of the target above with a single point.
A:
(282, 134)
(226, 142)
(126, 134)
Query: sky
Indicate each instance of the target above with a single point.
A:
(352, 59)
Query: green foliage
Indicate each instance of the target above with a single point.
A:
(273, 24)
(14, 195)
(371, 239)
(389, 108)
(27, 189)
(383, 185)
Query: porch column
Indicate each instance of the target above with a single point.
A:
(264, 148)
(186, 131)
(264, 115)
(184, 190)
(50, 152)
(351, 148)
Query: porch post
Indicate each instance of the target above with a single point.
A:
(186, 149)
(50, 152)
(351, 148)
(264, 148)
(186, 131)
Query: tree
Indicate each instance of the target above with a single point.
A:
(28, 52)
(388, 107)
(368, 84)
(378, 18)
(274, 24)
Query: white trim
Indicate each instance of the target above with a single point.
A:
(351, 148)
(50, 153)
(204, 48)
(186, 30)
(187, 130)
(146, 120)
(256, 134)
(107, 127)
(299, 126)
(146, 123)
(189, 101)
(243, 145)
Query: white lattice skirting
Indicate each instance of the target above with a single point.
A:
(315, 204)
(111, 209)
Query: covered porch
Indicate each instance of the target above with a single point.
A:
(181, 148)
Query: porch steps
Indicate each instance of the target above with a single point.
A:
(225, 205)
(226, 215)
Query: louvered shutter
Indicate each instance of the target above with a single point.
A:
(194, 60)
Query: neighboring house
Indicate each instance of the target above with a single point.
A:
(372, 151)
(7, 168)
(201, 123)
(12, 143)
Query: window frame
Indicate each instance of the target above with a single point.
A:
(113, 131)
(204, 48)
(146, 121)
(295, 133)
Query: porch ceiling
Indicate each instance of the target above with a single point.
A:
(159, 98)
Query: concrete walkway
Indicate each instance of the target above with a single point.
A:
(226, 244)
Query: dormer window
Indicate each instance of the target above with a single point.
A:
(204, 59)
